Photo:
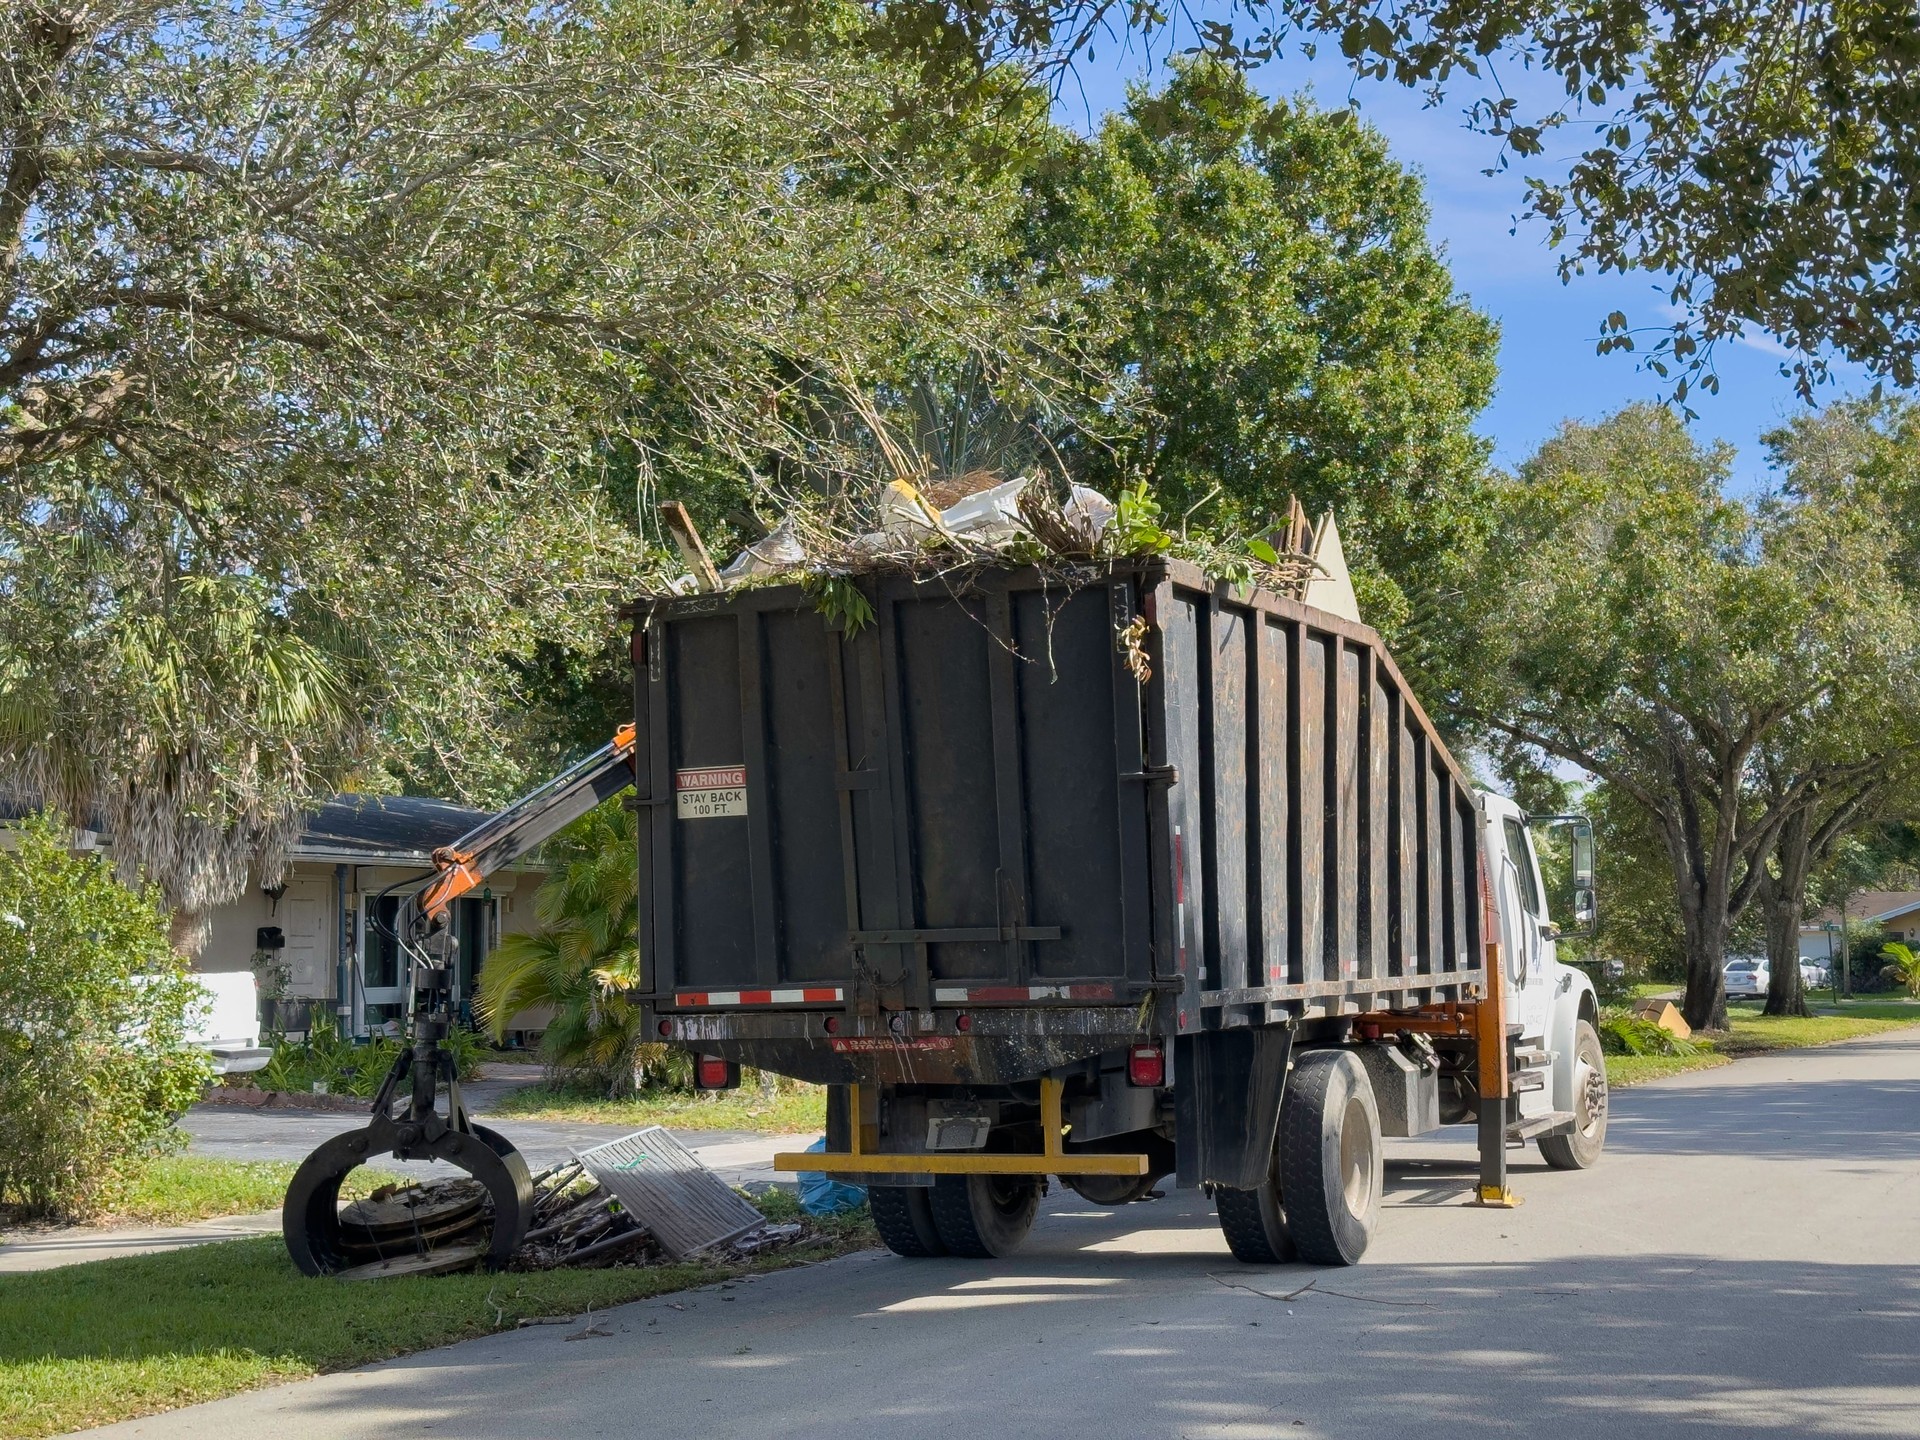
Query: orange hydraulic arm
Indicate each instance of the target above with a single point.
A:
(467, 862)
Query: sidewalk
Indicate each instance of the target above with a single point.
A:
(747, 1163)
(75, 1245)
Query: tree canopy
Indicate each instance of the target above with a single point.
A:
(1762, 158)
(334, 341)
(1273, 321)
(1691, 650)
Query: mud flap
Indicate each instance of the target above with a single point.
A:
(1226, 1097)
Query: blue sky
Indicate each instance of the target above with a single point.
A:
(1548, 368)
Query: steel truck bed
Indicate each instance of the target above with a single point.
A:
(1017, 819)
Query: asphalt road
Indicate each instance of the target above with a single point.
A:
(1742, 1262)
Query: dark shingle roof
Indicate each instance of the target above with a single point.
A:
(346, 828)
(385, 825)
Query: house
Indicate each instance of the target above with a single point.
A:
(1895, 911)
(326, 927)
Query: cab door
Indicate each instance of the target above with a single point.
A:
(1525, 936)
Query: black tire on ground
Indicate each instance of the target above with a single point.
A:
(1581, 1148)
(983, 1217)
(1255, 1221)
(903, 1214)
(1330, 1157)
(1111, 1189)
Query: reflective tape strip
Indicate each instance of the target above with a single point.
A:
(812, 995)
(1002, 994)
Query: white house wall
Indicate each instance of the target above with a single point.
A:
(313, 926)
(304, 916)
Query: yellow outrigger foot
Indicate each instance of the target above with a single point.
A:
(1497, 1197)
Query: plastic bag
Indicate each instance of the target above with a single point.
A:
(777, 551)
(1088, 513)
(822, 1194)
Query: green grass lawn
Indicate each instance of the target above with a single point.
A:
(1752, 1033)
(104, 1341)
(177, 1188)
(1625, 1070)
(786, 1112)
(180, 1188)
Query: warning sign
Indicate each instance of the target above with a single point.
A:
(704, 794)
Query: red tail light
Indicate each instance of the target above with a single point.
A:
(710, 1072)
(1147, 1066)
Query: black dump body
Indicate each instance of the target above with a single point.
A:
(1018, 819)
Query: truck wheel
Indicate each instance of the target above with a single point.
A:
(1255, 1221)
(903, 1214)
(983, 1217)
(1330, 1163)
(1578, 1150)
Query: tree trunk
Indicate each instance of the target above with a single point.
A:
(1702, 892)
(188, 932)
(1783, 898)
(1705, 1006)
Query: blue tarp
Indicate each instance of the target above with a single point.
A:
(822, 1194)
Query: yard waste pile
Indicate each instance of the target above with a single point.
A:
(641, 1200)
(980, 519)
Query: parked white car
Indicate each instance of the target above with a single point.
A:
(1747, 978)
(1813, 973)
(229, 1026)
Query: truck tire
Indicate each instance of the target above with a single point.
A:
(1255, 1221)
(983, 1217)
(1581, 1148)
(903, 1214)
(1330, 1160)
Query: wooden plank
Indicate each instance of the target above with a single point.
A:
(1011, 903)
(765, 896)
(692, 548)
(1270, 720)
(1376, 944)
(913, 960)
(1131, 798)
(666, 923)
(1347, 741)
(843, 767)
(1224, 676)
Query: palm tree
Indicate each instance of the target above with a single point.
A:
(584, 960)
(191, 723)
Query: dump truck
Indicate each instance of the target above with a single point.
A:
(1107, 873)
(1108, 877)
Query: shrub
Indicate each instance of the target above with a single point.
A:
(1624, 1034)
(347, 1067)
(95, 1009)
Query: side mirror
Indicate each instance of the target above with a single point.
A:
(1583, 907)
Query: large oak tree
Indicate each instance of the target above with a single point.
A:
(319, 324)
(1695, 651)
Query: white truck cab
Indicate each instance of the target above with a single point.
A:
(1560, 1082)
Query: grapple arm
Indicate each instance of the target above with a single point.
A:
(539, 815)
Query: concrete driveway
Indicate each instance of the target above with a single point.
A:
(1743, 1263)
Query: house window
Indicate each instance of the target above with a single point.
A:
(383, 951)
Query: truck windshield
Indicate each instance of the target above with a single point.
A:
(1522, 857)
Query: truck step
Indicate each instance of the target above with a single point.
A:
(1534, 1127)
(1531, 1057)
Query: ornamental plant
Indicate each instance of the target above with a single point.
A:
(95, 1013)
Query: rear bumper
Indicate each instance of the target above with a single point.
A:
(967, 1162)
(1052, 1159)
